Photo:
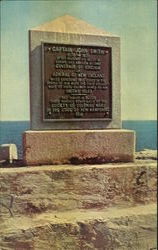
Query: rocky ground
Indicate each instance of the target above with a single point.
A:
(146, 154)
(106, 207)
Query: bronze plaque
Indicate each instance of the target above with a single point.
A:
(77, 82)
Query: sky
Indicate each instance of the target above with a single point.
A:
(133, 20)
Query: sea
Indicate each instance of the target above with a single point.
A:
(146, 133)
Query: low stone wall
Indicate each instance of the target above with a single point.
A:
(79, 207)
(68, 187)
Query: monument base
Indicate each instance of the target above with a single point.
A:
(78, 146)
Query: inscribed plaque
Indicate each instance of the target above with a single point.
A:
(77, 82)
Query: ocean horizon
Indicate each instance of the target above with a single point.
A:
(146, 133)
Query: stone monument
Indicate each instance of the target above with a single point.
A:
(75, 118)
(75, 96)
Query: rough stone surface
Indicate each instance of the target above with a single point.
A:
(58, 188)
(113, 229)
(70, 30)
(147, 154)
(78, 207)
(84, 146)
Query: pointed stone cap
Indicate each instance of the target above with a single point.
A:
(69, 24)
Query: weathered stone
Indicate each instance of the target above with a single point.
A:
(58, 188)
(8, 152)
(84, 146)
(113, 229)
(73, 207)
(147, 154)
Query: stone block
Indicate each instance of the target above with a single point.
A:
(71, 31)
(78, 146)
(33, 190)
(8, 152)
